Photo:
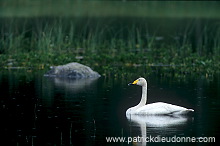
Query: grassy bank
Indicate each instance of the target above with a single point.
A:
(115, 63)
(109, 47)
(157, 41)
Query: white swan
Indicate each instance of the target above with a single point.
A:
(158, 108)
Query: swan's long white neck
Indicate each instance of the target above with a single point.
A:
(144, 96)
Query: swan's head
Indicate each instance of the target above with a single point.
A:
(139, 81)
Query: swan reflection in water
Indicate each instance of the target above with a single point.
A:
(151, 125)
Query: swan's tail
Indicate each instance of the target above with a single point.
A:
(190, 110)
(185, 111)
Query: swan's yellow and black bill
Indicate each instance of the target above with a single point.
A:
(134, 83)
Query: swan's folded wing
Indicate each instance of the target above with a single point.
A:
(161, 108)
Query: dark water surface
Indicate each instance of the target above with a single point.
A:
(36, 110)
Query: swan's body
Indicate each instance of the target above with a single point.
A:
(158, 108)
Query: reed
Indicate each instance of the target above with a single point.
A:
(41, 42)
(61, 35)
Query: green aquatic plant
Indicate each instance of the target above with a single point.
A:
(108, 45)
